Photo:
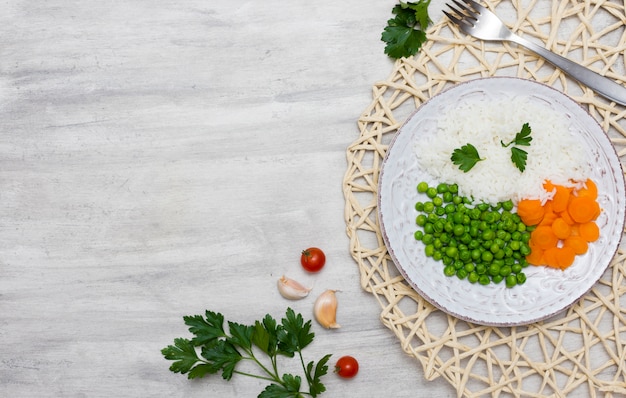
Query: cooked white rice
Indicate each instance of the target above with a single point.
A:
(554, 152)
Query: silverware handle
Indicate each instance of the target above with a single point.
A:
(600, 84)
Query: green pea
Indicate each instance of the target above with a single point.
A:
(488, 235)
(418, 235)
(494, 270)
(441, 188)
(452, 252)
(484, 280)
(437, 201)
(476, 254)
(462, 273)
(505, 271)
(524, 250)
(508, 205)
(429, 228)
(449, 270)
(481, 269)
(429, 250)
(448, 197)
(458, 230)
(419, 206)
(422, 187)
(473, 277)
(431, 192)
(437, 255)
(497, 279)
(516, 268)
(486, 256)
(428, 239)
(521, 278)
(511, 281)
(428, 207)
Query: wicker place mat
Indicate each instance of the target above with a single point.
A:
(581, 350)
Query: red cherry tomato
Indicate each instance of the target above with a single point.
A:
(312, 259)
(347, 367)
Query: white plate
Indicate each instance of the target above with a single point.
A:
(546, 291)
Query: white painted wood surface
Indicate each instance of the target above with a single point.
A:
(159, 158)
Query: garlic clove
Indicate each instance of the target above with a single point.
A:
(291, 289)
(325, 310)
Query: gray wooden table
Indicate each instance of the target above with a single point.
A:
(160, 158)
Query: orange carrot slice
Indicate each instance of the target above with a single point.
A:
(543, 237)
(561, 198)
(530, 211)
(561, 228)
(577, 243)
(590, 189)
(583, 209)
(589, 231)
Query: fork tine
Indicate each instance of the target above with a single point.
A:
(459, 22)
(464, 7)
(476, 6)
(461, 18)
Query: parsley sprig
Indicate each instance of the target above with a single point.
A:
(406, 32)
(518, 155)
(465, 157)
(221, 350)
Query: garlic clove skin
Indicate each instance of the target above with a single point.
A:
(291, 289)
(325, 310)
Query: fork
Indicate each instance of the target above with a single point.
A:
(479, 22)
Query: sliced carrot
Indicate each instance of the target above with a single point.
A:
(577, 243)
(565, 257)
(566, 217)
(590, 189)
(549, 215)
(564, 225)
(543, 237)
(536, 256)
(583, 209)
(589, 231)
(561, 198)
(530, 211)
(561, 228)
(551, 257)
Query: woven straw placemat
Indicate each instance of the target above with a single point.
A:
(582, 350)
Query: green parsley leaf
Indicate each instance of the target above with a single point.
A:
(295, 334)
(522, 138)
(405, 33)
(314, 375)
(223, 351)
(265, 335)
(518, 157)
(465, 157)
(290, 387)
(222, 355)
(207, 330)
(183, 353)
